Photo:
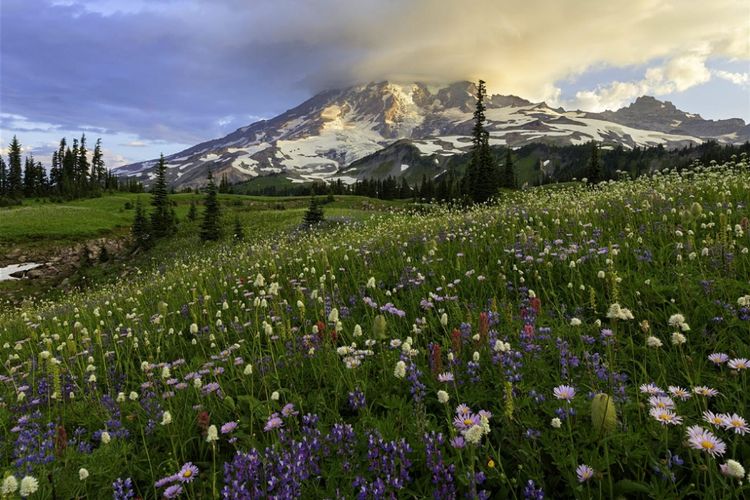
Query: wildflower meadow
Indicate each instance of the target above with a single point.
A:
(561, 342)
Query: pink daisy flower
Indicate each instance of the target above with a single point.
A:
(712, 418)
(702, 390)
(665, 417)
(564, 392)
(661, 402)
(718, 358)
(739, 364)
(679, 392)
(704, 440)
(584, 473)
(736, 423)
(651, 389)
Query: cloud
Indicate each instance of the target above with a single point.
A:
(677, 75)
(183, 71)
(736, 78)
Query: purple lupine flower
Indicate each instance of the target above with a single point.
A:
(122, 489)
(357, 400)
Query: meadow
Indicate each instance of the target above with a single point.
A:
(575, 342)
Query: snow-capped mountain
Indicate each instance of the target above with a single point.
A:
(318, 139)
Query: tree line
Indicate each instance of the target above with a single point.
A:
(71, 174)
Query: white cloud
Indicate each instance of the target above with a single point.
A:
(677, 75)
(736, 78)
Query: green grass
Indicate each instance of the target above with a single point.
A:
(512, 300)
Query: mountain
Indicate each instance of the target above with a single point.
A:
(323, 137)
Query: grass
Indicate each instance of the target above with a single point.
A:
(406, 354)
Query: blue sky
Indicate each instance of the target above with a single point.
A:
(151, 76)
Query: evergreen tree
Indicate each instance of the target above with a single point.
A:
(481, 180)
(15, 176)
(97, 166)
(210, 228)
(163, 222)
(141, 230)
(592, 169)
(3, 178)
(314, 213)
(82, 164)
(29, 177)
(509, 177)
(55, 173)
(103, 254)
(239, 234)
(192, 213)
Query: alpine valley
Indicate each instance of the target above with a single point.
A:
(381, 129)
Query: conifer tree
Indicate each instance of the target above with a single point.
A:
(163, 221)
(592, 169)
(97, 166)
(481, 178)
(210, 229)
(55, 172)
(3, 178)
(239, 233)
(314, 214)
(82, 164)
(29, 177)
(141, 230)
(15, 176)
(192, 213)
(509, 176)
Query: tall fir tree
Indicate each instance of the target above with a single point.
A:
(29, 177)
(314, 213)
(238, 232)
(509, 175)
(210, 226)
(163, 222)
(82, 174)
(192, 212)
(15, 175)
(97, 166)
(593, 174)
(481, 179)
(141, 230)
(3, 178)
(55, 172)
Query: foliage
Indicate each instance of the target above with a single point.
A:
(332, 362)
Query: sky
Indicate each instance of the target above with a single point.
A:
(158, 76)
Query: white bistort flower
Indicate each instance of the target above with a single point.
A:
(400, 370)
(29, 485)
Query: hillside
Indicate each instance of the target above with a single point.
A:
(566, 339)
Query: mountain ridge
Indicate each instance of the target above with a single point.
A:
(323, 136)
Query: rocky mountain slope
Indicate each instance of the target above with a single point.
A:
(321, 138)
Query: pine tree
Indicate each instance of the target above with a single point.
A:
(239, 233)
(3, 178)
(481, 180)
(163, 221)
(509, 176)
(97, 166)
(29, 177)
(55, 173)
(141, 230)
(592, 170)
(15, 176)
(192, 213)
(210, 228)
(82, 164)
(314, 213)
